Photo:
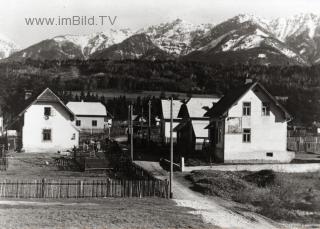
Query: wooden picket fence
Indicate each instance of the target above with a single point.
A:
(309, 144)
(83, 189)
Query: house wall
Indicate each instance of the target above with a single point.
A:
(219, 146)
(268, 133)
(86, 123)
(60, 124)
(165, 131)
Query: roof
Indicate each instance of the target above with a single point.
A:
(226, 102)
(87, 108)
(197, 107)
(199, 128)
(48, 96)
(165, 105)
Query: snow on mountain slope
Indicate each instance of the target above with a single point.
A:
(295, 25)
(91, 43)
(176, 37)
(301, 33)
(296, 38)
(240, 35)
(7, 47)
(138, 46)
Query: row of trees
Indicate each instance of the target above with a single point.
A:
(301, 84)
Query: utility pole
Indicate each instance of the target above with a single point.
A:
(149, 123)
(141, 122)
(131, 132)
(171, 147)
(129, 123)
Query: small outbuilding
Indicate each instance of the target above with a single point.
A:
(91, 117)
(192, 135)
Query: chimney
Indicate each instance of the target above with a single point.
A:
(248, 80)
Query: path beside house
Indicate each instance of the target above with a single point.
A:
(213, 210)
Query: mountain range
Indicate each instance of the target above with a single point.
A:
(242, 39)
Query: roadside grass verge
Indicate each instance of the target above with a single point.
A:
(279, 196)
(118, 213)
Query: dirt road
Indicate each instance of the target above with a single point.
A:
(213, 210)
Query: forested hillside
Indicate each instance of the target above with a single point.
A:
(301, 84)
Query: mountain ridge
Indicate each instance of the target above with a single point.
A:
(294, 40)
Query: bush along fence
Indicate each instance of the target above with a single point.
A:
(3, 163)
(83, 189)
(3, 158)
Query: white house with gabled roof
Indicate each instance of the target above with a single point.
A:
(248, 125)
(47, 125)
(91, 117)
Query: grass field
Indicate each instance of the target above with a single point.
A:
(119, 213)
(41, 165)
(280, 196)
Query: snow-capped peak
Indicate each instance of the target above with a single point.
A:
(7, 46)
(286, 27)
(175, 37)
(242, 18)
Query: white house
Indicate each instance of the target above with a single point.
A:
(47, 125)
(165, 119)
(249, 125)
(91, 117)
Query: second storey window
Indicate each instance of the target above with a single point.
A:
(246, 136)
(94, 122)
(246, 109)
(47, 111)
(78, 122)
(265, 109)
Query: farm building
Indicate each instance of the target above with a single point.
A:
(165, 119)
(47, 125)
(192, 134)
(249, 125)
(91, 117)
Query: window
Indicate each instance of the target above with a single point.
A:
(246, 135)
(94, 122)
(246, 109)
(269, 154)
(265, 109)
(78, 122)
(47, 111)
(73, 136)
(46, 135)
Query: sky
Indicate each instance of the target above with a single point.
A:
(133, 14)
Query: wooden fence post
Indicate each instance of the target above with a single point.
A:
(43, 186)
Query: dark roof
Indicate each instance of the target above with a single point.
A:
(48, 96)
(226, 102)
